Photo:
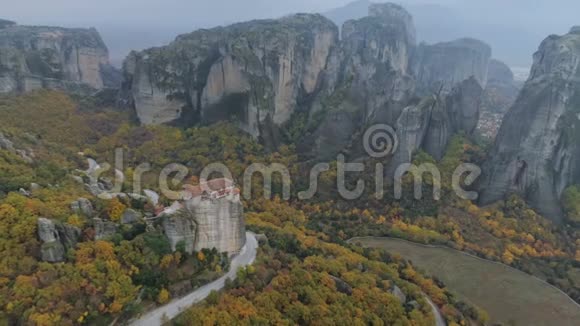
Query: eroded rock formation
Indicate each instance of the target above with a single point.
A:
(499, 73)
(537, 152)
(131, 216)
(292, 79)
(441, 66)
(379, 71)
(367, 80)
(6, 144)
(56, 239)
(412, 126)
(210, 216)
(33, 57)
(220, 224)
(430, 124)
(254, 74)
(104, 229)
(82, 206)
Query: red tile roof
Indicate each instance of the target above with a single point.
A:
(209, 186)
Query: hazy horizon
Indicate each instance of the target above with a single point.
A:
(133, 25)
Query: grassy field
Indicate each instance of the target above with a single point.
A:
(509, 296)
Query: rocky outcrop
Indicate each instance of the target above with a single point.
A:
(291, 79)
(27, 155)
(180, 229)
(537, 152)
(463, 105)
(399, 294)
(412, 126)
(376, 51)
(104, 229)
(430, 124)
(341, 285)
(367, 80)
(131, 216)
(82, 206)
(69, 235)
(6, 144)
(56, 239)
(210, 216)
(439, 67)
(499, 73)
(220, 224)
(252, 73)
(375, 77)
(33, 57)
(52, 249)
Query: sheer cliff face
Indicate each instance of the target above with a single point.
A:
(367, 79)
(221, 225)
(253, 73)
(269, 74)
(375, 55)
(537, 152)
(51, 57)
(206, 224)
(380, 70)
(442, 65)
(431, 124)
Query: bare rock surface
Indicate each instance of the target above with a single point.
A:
(210, 218)
(368, 79)
(253, 73)
(537, 152)
(443, 65)
(292, 79)
(220, 224)
(56, 239)
(34, 57)
(104, 229)
(82, 206)
(430, 124)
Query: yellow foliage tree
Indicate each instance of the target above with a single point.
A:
(163, 296)
(115, 209)
(166, 261)
(507, 257)
(75, 220)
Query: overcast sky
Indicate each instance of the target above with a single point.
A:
(133, 24)
(166, 12)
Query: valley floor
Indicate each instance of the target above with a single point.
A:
(510, 296)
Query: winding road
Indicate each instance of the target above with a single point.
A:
(507, 294)
(246, 257)
(439, 321)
